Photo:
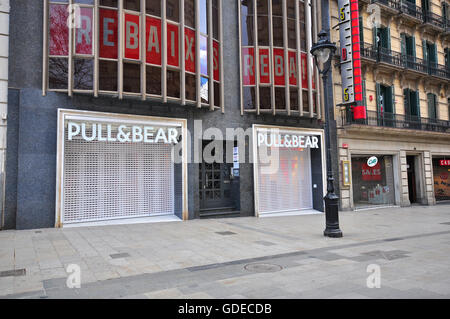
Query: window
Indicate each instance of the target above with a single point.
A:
(278, 75)
(412, 105)
(166, 49)
(432, 106)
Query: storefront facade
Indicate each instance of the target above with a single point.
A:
(100, 107)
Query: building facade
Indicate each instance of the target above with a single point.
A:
(397, 154)
(114, 104)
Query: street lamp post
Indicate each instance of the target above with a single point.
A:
(323, 52)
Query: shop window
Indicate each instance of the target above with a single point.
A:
(142, 61)
(280, 56)
(441, 176)
(373, 180)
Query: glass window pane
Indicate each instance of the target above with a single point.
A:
(107, 71)
(263, 30)
(249, 98)
(278, 32)
(203, 55)
(131, 78)
(84, 1)
(215, 18)
(216, 94)
(293, 99)
(83, 74)
(277, 8)
(204, 90)
(265, 100)
(153, 80)
(262, 7)
(83, 35)
(291, 9)
(247, 27)
(292, 34)
(173, 10)
(189, 13)
(153, 7)
(109, 3)
(58, 30)
(305, 101)
(203, 21)
(191, 87)
(302, 20)
(57, 73)
(134, 5)
(173, 83)
(280, 98)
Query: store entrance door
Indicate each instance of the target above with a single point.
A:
(411, 179)
(218, 187)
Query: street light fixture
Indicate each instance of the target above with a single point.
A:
(323, 52)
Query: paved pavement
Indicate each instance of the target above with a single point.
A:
(278, 257)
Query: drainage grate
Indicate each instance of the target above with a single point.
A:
(120, 255)
(261, 268)
(225, 233)
(13, 273)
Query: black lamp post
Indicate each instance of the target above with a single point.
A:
(323, 52)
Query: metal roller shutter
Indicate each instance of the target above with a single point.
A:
(289, 188)
(111, 180)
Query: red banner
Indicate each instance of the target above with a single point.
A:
(278, 66)
(173, 51)
(216, 72)
(132, 35)
(444, 162)
(304, 71)
(264, 66)
(189, 49)
(292, 56)
(108, 33)
(83, 34)
(59, 32)
(153, 44)
(248, 66)
(371, 173)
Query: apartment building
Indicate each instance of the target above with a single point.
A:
(398, 154)
(103, 92)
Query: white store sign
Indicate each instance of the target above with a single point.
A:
(287, 140)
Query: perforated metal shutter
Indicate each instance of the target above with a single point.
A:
(111, 180)
(289, 188)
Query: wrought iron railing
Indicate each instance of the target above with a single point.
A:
(394, 4)
(390, 57)
(434, 19)
(415, 64)
(439, 70)
(396, 121)
(411, 9)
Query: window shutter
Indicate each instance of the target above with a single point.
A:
(378, 92)
(414, 45)
(388, 32)
(393, 97)
(375, 36)
(417, 103)
(403, 43)
(406, 101)
(364, 93)
(424, 49)
(361, 30)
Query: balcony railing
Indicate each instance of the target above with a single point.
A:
(411, 9)
(396, 59)
(396, 121)
(394, 4)
(434, 19)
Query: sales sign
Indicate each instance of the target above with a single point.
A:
(350, 56)
(444, 162)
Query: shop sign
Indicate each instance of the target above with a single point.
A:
(371, 173)
(289, 141)
(372, 161)
(444, 162)
(136, 133)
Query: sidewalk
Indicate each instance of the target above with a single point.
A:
(279, 257)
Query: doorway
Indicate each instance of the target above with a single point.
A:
(411, 179)
(219, 182)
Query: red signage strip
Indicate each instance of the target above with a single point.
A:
(444, 162)
(359, 111)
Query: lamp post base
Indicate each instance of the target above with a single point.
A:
(331, 215)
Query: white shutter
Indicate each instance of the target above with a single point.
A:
(289, 188)
(110, 180)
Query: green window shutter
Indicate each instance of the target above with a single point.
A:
(378, 92)
(361, 30)
(364, 92)
(447, 57)
(424, 49)
(375, 30)
(393, 97)
(434, 47)
(388, 34)
(414, 46)
(406, 99)
(403, 43)
(417, 103)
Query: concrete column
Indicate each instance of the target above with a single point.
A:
(4, 48)
(428, 167)
(404, 198)
(345, 190)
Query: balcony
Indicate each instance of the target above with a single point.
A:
(410, 11)
(434, 21)
(395, 60)
(396, 121)
(392, 6)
